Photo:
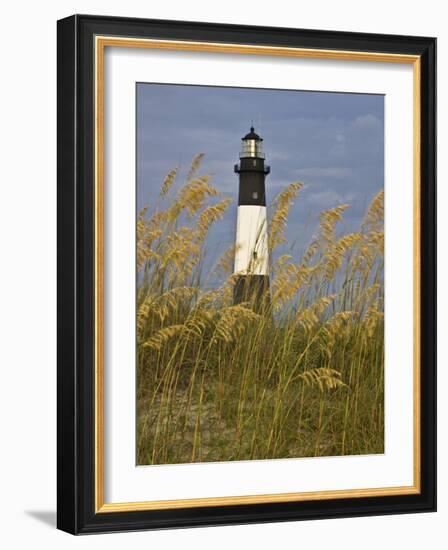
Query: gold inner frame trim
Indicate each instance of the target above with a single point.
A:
(101, 42)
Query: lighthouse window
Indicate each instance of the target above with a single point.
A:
(255, 195)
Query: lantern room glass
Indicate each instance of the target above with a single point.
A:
(252, 148)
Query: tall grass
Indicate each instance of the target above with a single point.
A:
(218, 381)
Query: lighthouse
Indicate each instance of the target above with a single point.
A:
(251, 251)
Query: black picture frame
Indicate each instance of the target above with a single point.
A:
(76, 254)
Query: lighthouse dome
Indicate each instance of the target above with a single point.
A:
(252, 135)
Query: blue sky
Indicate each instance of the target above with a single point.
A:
(332, 142)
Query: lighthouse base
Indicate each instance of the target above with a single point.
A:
(253, 289)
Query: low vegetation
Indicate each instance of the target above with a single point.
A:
(303, 376)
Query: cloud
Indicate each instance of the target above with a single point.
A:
(275, 156)
(330, 172)
(326, 199)
(332, 142)
(367, 121)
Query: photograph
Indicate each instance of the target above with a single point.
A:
(225, 333)
(259, 274)
(246, 274)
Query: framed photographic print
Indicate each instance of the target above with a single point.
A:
(246, 274)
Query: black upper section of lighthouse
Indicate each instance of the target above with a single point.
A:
(252, 171)
(252, 135)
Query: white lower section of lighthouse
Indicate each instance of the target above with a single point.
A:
(252, 253)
